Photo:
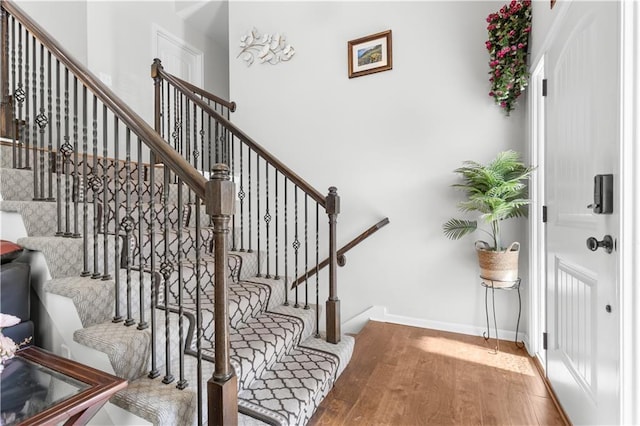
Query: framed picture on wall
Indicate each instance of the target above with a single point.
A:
(370, 54)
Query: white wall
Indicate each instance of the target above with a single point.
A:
(388, 141)
(66, 21)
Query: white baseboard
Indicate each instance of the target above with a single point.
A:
(379, 313)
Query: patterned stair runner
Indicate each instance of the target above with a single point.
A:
(283, 370)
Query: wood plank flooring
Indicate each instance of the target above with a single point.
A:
(403, 375)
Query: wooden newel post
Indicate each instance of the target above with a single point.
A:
(6, 110)
(156, 67)
(222, 387)
(333, 303)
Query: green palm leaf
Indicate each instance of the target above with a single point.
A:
(458, 228)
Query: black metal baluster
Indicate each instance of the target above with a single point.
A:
(14, 149)
(181, 135)
(225, 141)
(50, 154)
(317, 335)
(165, 99)
(196, 151)
(202, 148)
(141, 264)
(306, 251)
(67, 150)
(241, 197)
(42, 121)
(96, 184)
(155, 277)
(233, 179)
(76, 177)
(249, 242)
(277, 276)
(182, 383)
(128, 224)
(59, 154)
(168, 115)
(267, 218)
(217, 141)
(210, 150)
(105, 195)
(286, 242)
(27, 94)
(258, 210)
(85, 206)
(296, 242)
(187, 129)
(116, 211)
(176, 128)
(168, 268)
(221, 143)
(198, 315)
(34, 124)
(19, 96)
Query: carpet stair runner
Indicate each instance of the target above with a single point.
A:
(284, 370)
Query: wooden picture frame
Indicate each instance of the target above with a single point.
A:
(370, 54)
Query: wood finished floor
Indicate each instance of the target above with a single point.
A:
(403, 375)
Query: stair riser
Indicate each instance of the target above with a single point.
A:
(18, 185)
(141, 213)
(139, 191)
(94, 299)
(129, 349)
(37, 215)
(64, 256)
(181, 242)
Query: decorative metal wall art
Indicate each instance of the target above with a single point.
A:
(267, 48)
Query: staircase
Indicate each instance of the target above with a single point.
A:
(186, 257)
(283, 370)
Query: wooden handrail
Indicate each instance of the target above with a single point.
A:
(195, 89)
(287, 172)
(351, 244)
(181, 167)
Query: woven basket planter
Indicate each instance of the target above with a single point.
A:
(499, 268)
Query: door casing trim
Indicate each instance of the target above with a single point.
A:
(629, 239)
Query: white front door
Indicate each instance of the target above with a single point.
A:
(582, 141)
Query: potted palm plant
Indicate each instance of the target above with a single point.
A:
(497, 191)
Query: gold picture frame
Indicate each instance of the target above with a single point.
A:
(370, 54)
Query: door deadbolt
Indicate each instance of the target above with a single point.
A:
(607, 243)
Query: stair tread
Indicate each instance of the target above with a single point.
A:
(164, 404)
(264, 339)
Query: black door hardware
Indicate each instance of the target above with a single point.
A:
(607, 243)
